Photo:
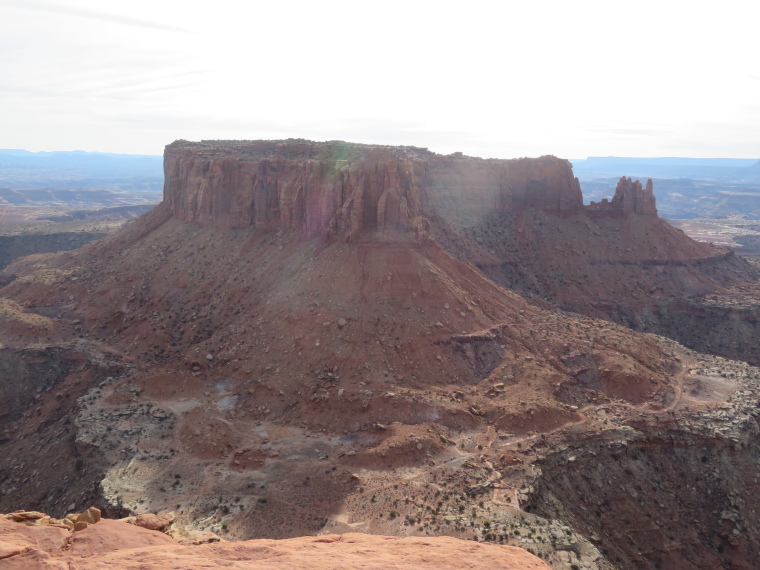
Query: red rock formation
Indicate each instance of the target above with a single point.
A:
(335, 187)
(545, 183)
(115, 544)
(629, 198)
(316, 188)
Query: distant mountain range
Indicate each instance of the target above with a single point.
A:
(715, 169)
(113, 165)
(24, 170)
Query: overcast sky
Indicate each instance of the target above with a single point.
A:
(494, 79)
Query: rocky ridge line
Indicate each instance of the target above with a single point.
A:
(28, 540)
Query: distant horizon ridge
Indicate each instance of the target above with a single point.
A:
(669, 160)
(41, 153)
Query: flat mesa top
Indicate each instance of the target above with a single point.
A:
(294, 148)
(306, 149)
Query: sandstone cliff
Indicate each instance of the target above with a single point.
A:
(520, 221)
(629, 198)
(324, 189)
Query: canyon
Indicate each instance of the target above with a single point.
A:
(326, 338)
(34, 229)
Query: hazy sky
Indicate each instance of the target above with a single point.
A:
(497, 79)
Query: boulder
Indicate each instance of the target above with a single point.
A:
(23, 516)
(90, 516)
(155, 522)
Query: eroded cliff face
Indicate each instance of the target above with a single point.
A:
(521, 221)
(335, 188)
(630, 197)
(342, 189)
(318, 189)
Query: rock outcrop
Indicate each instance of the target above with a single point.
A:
(72, 522)
(629, 198)
(114, 544)
(319, 189)
(325, 189)
(154, 521)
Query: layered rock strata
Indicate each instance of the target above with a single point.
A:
(333, 188)
(629, 198)
(520, 221)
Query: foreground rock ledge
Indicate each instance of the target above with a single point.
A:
(115, 544)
